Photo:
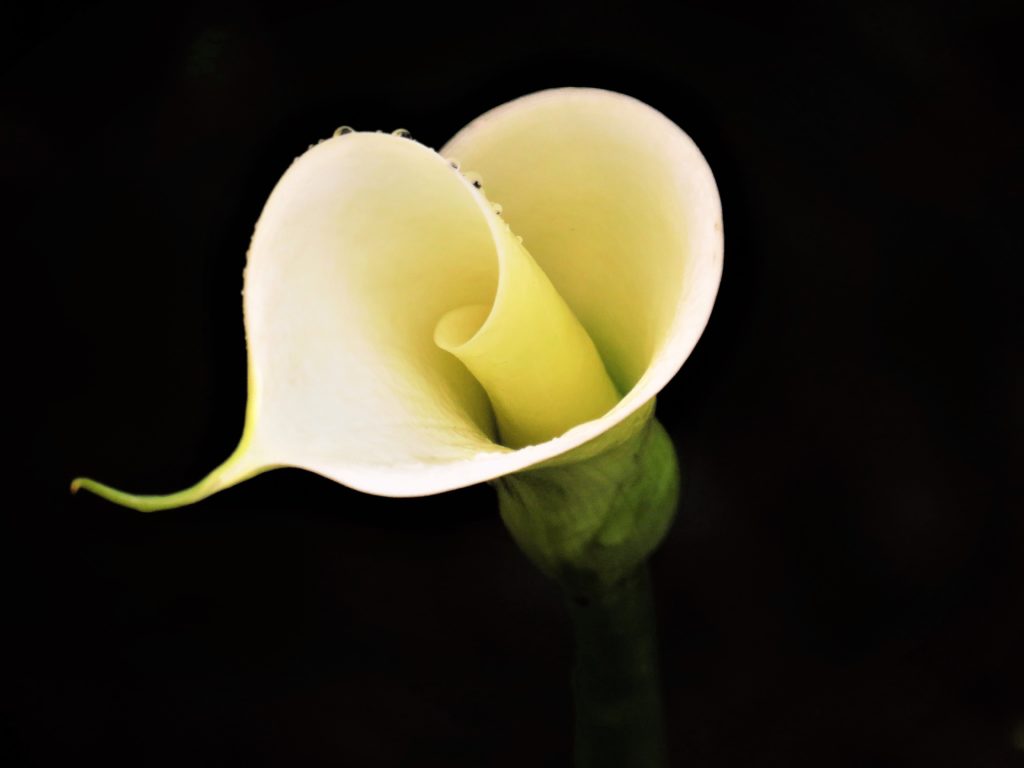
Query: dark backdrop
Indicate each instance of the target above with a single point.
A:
(843, 582)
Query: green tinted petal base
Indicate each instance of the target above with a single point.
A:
(588, 522)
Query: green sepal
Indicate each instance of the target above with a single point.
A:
(590, 523)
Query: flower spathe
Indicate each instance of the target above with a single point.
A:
(405, 338)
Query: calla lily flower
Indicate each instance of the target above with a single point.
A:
(420, 321)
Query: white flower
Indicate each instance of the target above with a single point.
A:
(384, 287)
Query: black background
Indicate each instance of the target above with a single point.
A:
(843, 584)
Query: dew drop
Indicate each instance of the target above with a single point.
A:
(401, 133)
(475, 179)
(344, 129)
(519, 238)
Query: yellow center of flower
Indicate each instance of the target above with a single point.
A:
(534, 359)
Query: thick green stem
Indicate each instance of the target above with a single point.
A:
(591, 523)
(619, 721)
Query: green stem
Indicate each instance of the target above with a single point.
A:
(619, 721)
(590, 524)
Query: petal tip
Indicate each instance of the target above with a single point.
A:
(140, 503)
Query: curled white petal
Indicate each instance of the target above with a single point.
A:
(369, 239)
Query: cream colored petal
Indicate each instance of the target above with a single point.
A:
(619, 208)
(369, 240)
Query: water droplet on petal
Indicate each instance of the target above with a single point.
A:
(519, 238)
(344, 129)
(497, 208)
(401, 133)
(475, 179)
